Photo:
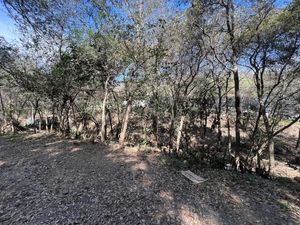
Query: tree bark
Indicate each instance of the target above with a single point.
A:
(179, 133)
(171, 129)
(2, 105)
(237, 106)
(145, 140)
(271, 154)
(298, 142)
(270, 139)
(103, 116)
(227, 116)
(67, 130)
(155, 121)
(219, 111)
(40, 122)
(110, 121)
(34, 109)
(46, 120)
(3, 112)
(76, 123)
(40, 125)
(230, 22)
(125, 122)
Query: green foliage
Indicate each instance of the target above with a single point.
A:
(15, 137)
(90, 62)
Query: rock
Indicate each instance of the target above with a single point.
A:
(297, 179)
(65, 192)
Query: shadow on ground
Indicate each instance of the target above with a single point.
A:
(47, 180)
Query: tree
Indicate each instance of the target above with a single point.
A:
(274, 74)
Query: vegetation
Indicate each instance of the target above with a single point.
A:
(211, 82)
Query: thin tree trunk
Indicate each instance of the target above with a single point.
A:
(61, 122)
(110, 121)
(145, 140)
(271, 155)
(46, 120)
(205, 123)
(103, 116)
(67, 130)
(270, 138)
(171, 129)
(179, 133)
(34, 107)
(298, 142)
(227, 116)
(155, 121)
(125, 122)
(52, 123)
(230, 22)
(3, 112)
(2, 104)
(237, 108)
(40, 126)
(219, 116)
(77, 124)
(40, 122)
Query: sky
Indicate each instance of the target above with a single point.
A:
(7, 28)
(9, 31)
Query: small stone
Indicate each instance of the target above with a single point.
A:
(297, 179)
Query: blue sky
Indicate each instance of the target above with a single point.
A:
(7, 28)
(9, 31)
(281, 3)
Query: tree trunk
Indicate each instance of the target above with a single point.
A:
(52, 123)
(125, 123)
(227, 117)
(155, 121)
(47, 124)
(3, 112)
(238, 114)
(40, 125)
(205, 124)
(237, 108)
(298, 142)
(2, 105)
(179, 133)
(219, 111)
(67, 130)
(76, 123)
(103, 119)
(61, 122)
(34, 107)
(110, 121)
(145, 140)
(103, 116)
(40, 121)
(230, 23)
(270, 138)
(171, 129)
(271, 155)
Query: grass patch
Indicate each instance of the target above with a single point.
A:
(285, 204)
(15, 137)
(173, 162)
(285, 122)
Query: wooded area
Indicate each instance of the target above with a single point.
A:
(207, 83)
(212, 82)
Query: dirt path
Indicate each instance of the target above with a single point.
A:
(51, 181)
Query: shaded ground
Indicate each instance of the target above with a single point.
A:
(45, 180)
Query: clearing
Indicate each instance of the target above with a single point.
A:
(47, 180)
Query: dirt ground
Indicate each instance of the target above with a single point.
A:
(46, 180)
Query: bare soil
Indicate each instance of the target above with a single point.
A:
(47, 180)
